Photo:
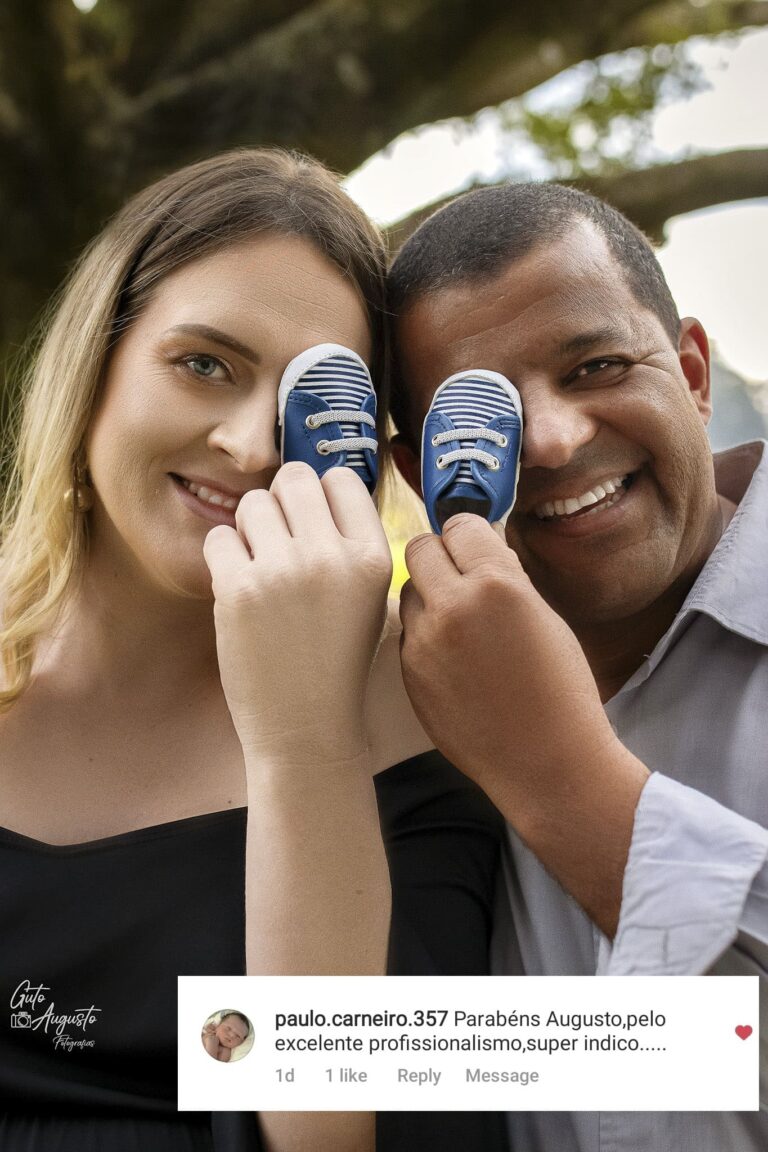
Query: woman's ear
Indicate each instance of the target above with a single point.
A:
(407, 461)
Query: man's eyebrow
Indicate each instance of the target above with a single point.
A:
(585, 340)
(208, 333)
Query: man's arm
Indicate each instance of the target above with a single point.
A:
(502, 686)
(695, 896)
(696, 879)
(504, 689)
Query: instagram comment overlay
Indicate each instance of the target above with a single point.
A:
(473, 1043)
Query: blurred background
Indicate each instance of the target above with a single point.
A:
(659, 106)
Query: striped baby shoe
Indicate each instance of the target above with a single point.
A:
(470, 456)
(326, 409)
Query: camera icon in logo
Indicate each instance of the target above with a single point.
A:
(21, 1020)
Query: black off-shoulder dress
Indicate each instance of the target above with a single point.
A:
(104, 928)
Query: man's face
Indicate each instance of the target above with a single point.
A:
(610, 406)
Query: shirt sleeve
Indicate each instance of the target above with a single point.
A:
(695, 885)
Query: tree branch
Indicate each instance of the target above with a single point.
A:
(676, 20)
(151, 42)
(378, 69)
(506, 63)
(382, 69)
(95, 105)
(652, 196)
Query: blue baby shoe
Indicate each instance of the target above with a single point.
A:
(470, 452)
(326, 409)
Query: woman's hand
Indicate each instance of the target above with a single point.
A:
(300, 593)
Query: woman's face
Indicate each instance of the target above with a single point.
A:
(186, 421)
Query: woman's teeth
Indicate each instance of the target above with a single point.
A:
(210, 496)
(605, 494)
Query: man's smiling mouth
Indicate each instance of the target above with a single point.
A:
(587, 503)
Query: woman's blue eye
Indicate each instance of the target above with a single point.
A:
(207, 367)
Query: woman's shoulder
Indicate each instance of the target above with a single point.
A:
(394, 733)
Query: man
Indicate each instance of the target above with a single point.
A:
(604, 676)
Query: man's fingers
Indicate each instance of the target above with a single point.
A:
(473, 544)
(430, 566)
(411, 605)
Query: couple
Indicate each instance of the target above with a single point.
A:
(598, 673)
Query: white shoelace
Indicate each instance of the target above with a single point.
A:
(469, 453)
(347, 443)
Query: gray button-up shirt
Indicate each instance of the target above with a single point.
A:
(695, 896)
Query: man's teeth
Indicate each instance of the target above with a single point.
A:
(210, 496)
(611, 488)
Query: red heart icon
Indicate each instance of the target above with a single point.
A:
(743, 1030)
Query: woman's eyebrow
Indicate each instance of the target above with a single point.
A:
(219, 337)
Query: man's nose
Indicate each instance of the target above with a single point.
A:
(248, 434)
(555, 425)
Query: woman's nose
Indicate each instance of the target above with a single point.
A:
(248, 433)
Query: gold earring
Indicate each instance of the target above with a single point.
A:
(80, 495)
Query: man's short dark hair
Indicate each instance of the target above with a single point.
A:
(478, 234)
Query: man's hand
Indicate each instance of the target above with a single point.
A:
(501, 684)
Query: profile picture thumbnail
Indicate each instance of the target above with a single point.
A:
(227, 1035)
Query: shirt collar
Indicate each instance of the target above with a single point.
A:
(732, 587)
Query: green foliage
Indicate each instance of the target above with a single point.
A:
(598, 117)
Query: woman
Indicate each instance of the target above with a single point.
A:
(138, 724)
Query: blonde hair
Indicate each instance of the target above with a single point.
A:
(182, 217)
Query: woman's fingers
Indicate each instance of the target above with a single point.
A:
(299, 493)
(261, 522)
(351, 507)
(298, 507)
(303, 506)
(225, 553)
